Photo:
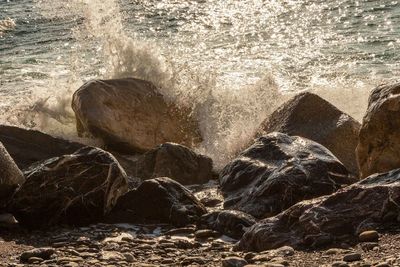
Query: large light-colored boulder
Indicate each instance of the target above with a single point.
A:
(132, 115)
(10, 176)
(278, 171)
(378, 149)
(310, 116)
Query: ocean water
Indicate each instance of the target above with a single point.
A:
(232, 61)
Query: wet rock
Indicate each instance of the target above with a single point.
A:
(131, 115)
(73, 189)
(176, 162)
(228, 222)
(277, 171)
(369, 236)
(352, 257)
(29, 146)
(11, 177)
(310, 116)
(378, 149)
(340, 264)
(206, 233)
(158, 200)
(234, 262)
(331, 218)
(42, 253)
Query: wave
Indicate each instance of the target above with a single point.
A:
(229, 114)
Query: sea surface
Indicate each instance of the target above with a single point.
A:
(232, 61)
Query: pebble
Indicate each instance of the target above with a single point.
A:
(352, 257)
(43, 253)
(333, 251)
(234, 262)
(191, 260)
(369, 236)
(340, 264)
(206, 233)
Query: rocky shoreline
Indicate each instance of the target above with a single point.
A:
(314, 187)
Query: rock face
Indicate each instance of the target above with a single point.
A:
(232, 223)
(378, 149)
(73, 189)
(339, 217)
(131, 115)
(29, 146)
(158, 200)
(176, 162)
(277, 171)
(10, 176)
(308, 115)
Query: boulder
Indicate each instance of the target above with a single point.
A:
(231, 223)
(10, 176)
(131, 115)
(30, 146)
(278, 171)
(160, 200)
(176, 162)
(310, 116)
(371, 203)
(378, 148)
(75, 189)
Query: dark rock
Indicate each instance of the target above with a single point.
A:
(352, 257)
(232, 223)
(278, 171)
(336, 218)
(233, 262)
(206, 233)
(11, 177)
(42, 253)
(73, 189)
(176, 162)
(131, 115)
(29, 146)
(158, 200)
(310, 116)
(378, 149)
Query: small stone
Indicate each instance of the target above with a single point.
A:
(333, 251)
(271, 264)
(206, 233)
(352, 257)
(369, 236)
(383, 264)
(129, 257)
(285, 251)
(43, 253)
(339, 264)
(233, 262)
(366, 246)
(192, 260)
(167, 261)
